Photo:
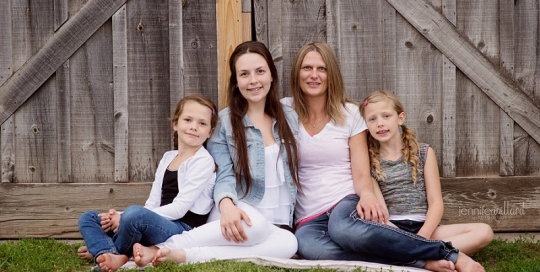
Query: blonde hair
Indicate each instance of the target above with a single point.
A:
(336, 97)
(410, 144)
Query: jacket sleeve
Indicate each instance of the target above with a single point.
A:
(225, 178)
(199, 172)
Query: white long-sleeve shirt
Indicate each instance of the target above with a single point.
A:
(196, 179)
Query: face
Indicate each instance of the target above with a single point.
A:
(193, 125)
(383, 121)
(313, 75)
(254, 77)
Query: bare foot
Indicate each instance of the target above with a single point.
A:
(143, 255)
(111, 262)
(464, 263)
(84, 254)
(440, 266)
(165, 254)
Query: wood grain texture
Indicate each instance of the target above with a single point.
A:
(389, 63)
(527, 72)
(200, 48)
(52, 210)
(149, 103)
(6, 69)
(506, 34)
(61, 13)
(53, 53)
(503, 91)
(229, 35)
(506, 204)
(361, 55)
(448, 163)
(35, 138)
(121, 96)
(176, 56)
(63, 122)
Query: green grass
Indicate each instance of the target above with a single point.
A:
(523, 254)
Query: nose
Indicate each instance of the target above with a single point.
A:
(253, 79)
(313, 73)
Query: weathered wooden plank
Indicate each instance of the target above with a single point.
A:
(52, 210)
(61, 13)
(148, 85)
(361, 44)
(503, 91)
(506, 204)
(63, 122)
(419, 80)
(121, 114)
(6, 69)
(448, 162)
(92, 94)
(200, 48)
(389, 45)
(301, 22)
(229, 35)
(506, 33)
(246, 20)
(35, 139)
(527, 72)
(19, 87)
(477, 116)
(176, 58)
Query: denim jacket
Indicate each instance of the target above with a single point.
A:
(223, 148)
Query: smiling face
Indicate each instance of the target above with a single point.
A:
(383, 121)
(253, 78)
(313, 77)
(193, 125)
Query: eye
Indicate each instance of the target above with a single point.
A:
(306, 68)
(243, 74)
(202, 124)
(187, 120)
(261, 71)
(322, 69)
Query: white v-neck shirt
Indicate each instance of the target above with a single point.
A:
(325, 163)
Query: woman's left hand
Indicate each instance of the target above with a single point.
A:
(370, 209)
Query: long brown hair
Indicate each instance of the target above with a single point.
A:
(238, 107)
(204, 101)
(336, 97)
(410, 144)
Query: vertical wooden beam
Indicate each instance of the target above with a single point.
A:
(506, 28)
(176, 56)
(274, 41)
(63, 122)
(121, 113)
(389, 40)
(229, 35)
(449, 102)
(6, 69)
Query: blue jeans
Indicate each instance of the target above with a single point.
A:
(354, 234)
(137, 225)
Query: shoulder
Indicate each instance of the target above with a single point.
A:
(224, 113)
(170, 154)
(203, 156)
(351, 109)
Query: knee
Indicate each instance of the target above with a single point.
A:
(288, 245)
(258, 231)
(89, 216)
(131, 212)
(484, 234)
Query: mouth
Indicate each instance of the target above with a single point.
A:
(192, 135)
(254, 89)
(382, 132)
(313, 84)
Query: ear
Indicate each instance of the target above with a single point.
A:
(210, 134)
(401, 118)
(175, 125)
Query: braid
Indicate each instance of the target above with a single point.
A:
(410, 150)
(373, 150)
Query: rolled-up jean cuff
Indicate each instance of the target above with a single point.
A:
(417, 264)
(452, 256)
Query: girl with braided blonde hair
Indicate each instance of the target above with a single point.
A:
(408, 175)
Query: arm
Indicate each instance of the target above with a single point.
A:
(225, 195)
(434, 195)
(369, 207)
(198, 173)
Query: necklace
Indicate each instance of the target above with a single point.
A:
(314, 125)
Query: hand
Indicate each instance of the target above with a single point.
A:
(370, 209)
(106, 223)
(231, 221)
(115, 220)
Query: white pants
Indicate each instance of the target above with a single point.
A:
(206, 242)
